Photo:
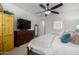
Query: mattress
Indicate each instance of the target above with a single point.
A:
(65, 48)
(57, 48)
(38, 51)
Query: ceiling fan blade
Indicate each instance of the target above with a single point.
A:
(55, 12)
(42, 6)
(39, 12)
(56, 6)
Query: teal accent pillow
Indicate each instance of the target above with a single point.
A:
(65, 37)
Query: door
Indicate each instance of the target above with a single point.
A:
(8, 34)
(8, 43)
(7, 24)
(1, 32)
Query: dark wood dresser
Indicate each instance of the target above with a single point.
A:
(23, 36)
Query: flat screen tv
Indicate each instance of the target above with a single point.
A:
(23, 24)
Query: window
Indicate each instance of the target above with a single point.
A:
(57, 25)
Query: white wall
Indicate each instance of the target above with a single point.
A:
(69, 14)
(18, 12)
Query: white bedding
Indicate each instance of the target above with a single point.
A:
(54, 46)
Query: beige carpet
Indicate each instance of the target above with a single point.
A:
(21, 50)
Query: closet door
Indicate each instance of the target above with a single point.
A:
(1, 32)
(8, 34)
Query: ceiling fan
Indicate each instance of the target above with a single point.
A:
(48, 10)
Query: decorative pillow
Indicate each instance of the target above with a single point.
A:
(65, 37)
(75, 39)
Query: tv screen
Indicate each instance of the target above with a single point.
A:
(24, 24)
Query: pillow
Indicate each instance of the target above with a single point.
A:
(75, 39)
(65, 37)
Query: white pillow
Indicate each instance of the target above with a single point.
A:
(44, 41)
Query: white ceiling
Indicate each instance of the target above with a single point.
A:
(33, 7)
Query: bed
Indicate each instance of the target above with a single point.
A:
(50, 44)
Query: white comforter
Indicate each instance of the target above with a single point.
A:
(51, 44)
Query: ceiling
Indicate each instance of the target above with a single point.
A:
(66, 9)
(33, 7)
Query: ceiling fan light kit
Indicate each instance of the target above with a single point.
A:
(49, 10)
